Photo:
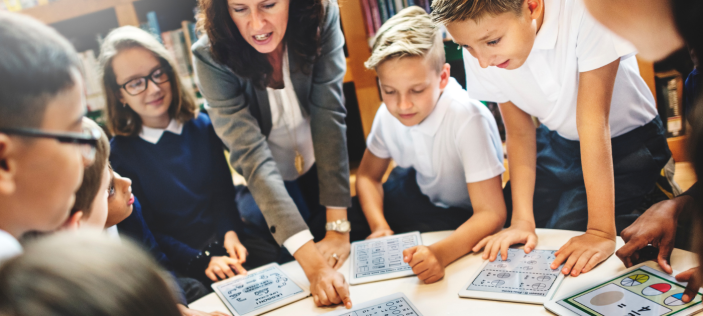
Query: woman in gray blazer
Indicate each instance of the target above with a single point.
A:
(271, 72)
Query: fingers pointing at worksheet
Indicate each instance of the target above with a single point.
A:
(520, 232)
(693, 277)
(583, 253)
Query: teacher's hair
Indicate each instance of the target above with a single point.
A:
(85, 273)
(229, 48)
(121, 119)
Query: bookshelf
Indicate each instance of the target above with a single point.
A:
(68, 9)
(364, 80)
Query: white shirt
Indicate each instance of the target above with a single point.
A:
(153, 135)
(458, 143)
(569, 42)
(9, 246)
(290, 130)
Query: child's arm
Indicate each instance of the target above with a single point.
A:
(489, 216)
(592, 120)
(522, 159)
(369, 189)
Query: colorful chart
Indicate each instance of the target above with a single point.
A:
(635, 280)
(644, 291)
(656, 289)
(674, 300)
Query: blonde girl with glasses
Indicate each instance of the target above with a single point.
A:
(171, 153)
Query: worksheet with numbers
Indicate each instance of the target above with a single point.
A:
(522, 277)
(261, 290)
(381, 258)
(391, 305)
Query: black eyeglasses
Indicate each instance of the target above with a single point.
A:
(139, 85)
(87, 140)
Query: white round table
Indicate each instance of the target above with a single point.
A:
(441, 298)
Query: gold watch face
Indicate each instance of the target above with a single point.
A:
(344, 226)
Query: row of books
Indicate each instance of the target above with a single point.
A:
(377, 12)
(18, 5)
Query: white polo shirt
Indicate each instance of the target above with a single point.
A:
(569, 42)
(458, 143)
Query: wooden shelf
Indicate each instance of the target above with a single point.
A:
(68, 9)
(357, 45)
(677, 145)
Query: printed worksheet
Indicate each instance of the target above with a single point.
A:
(258, 290)
(391, 305)
(381, 258)
(641, 292)
(521, 273)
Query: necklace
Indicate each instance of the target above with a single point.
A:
(299, 161)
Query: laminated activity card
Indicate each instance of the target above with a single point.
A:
(261, 290)
(381, 258)
(524, 278)
(640, 291)
(391, 305)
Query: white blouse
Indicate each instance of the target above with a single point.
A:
(291, 128)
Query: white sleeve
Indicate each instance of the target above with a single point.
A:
(293, 243)
(480, 149)
(478, 82)
(597, 46)
(375, 142)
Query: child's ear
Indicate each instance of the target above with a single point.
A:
(73, 222)
(535, 7)
(444, 76)
(8, 167)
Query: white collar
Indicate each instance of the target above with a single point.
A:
(547, 35)
(431, 123)
(153, 135)
(9, 246)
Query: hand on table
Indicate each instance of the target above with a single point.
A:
(425, 263)
(657, 226)
(223, 267)
(328, 287)
(693, 277)
(381, 232)
(185, 311)
(519, 232)
(584, 252)
(334, 243)
(234, 247)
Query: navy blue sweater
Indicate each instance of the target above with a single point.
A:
(184, 185)
(136, 228)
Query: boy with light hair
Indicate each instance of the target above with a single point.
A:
(446, 146)
(590, 164)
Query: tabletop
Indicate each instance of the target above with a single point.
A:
(441, 298)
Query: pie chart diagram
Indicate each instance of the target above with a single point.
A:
(674, 300)
(656, 289)
(634, 280)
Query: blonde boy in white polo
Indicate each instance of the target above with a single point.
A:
(446, 146)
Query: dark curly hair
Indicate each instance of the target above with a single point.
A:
(229, 48)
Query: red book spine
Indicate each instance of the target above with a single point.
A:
(376, 15)
(370, 31)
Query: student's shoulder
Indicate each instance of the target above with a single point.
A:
(463, 107)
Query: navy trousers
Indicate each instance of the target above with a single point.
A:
(305, 192)
(560, 193)
(407, 209)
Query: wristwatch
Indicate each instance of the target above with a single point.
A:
(341, 226)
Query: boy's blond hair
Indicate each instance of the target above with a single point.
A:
(93, 175)
(408, 33)
(448, 11)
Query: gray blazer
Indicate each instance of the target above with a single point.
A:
(241, 115)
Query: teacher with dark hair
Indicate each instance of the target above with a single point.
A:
(271, 72)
